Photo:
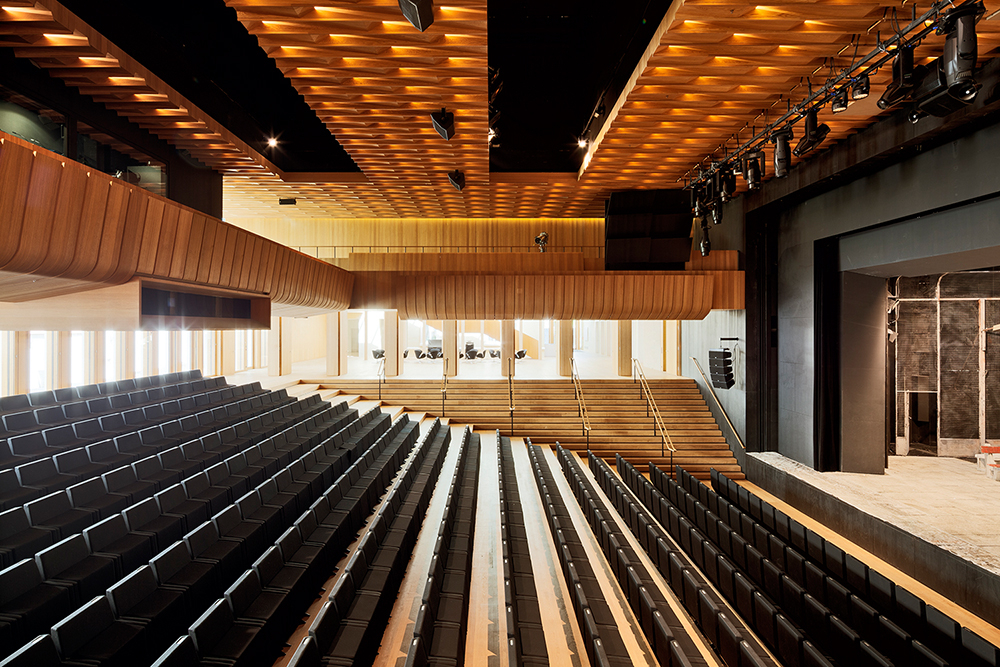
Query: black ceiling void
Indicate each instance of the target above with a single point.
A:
(200, 48)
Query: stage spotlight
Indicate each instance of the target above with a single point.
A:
(727, 183)
(902, 79)
(706, 243)
(961, 50)
(457, 178)
(839, 103)
(444, 123)
(915, 115)
(753, 169)
(861, 87)
(698, 207)
(420, 13)
(813, 134)
(782, 152)
(717, 212)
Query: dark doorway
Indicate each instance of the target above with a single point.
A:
(923, 424)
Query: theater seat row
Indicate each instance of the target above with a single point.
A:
(601, 635)
(349, 625)
(914, 631)
(525, 637)
(442, 621)
(212, 541)
(666, 632)
(248, 626)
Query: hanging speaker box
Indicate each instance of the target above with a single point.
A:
(720, 368)
(457, 179)
(444, 123)
(420, 13)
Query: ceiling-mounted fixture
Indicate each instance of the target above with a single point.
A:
(272, 142)
(782, 150)
(753, 169)
(861, 87)
(444, 123)
(902, 79)
(457, 179)
(725, 184)
(420, 13)
(706, 243)
(813, 134)
(839, 102)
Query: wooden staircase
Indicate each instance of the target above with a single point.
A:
(547, 412)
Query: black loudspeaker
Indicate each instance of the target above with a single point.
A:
(444, 123)
(457, 179)
(720, 367)
(418, 12)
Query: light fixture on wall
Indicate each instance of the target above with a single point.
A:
(457, 179)
(444, 123)
(541, 241)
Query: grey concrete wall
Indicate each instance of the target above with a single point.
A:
(954, 172)
(698, 336)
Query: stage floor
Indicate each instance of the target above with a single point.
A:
(945, 501)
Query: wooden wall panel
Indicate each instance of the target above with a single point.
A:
(597, 296)
(65, 228)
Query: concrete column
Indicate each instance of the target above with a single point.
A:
(566, 348)
(508, 345)
(624, 348)
(393, 352)
(333, 344)
(62, 359)
(344, 339)
(450, 346)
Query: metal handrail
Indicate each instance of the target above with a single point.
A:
(380, 376)
(665, 440)
(510, 391)
(712, 391)
(581, 404)
(444, 385)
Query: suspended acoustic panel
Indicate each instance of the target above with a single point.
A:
(66, 227)
(569, 296)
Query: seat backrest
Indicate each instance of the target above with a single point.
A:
(140, 514)
(19, 421)
(196, 484)
(59, 436)
(85, 492)
(105, 532)
(128, 442)
(217, 473)
(47, 507)
(88, 391)
(227, 519)
(170, 561)
(39, 398)
(169, 458)
(133, 416)
(171, 429)
(39, 652)
(61, 556)
(112, 423)
(83, 625)
(27, 444)
(99, 451)
(201, 538)
(243, 592)
(248, 504)
(211, 626)
(75, 410)
(49, 415)
(151, 435)
(88, 429)
(143, 382)
(18, 579)
(13, 521)
(170, 497)
(36, 472)
(130, 591)
(126, 385)
(181, 653)
(120, 401)
(17, 402)
(153, 412)
(147, 467)
(118, 478)
(289, 542)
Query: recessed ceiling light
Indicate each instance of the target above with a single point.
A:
(272, 142)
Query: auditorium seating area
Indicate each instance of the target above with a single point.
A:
(184, 521)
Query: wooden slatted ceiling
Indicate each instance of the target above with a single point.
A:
(720, 62)
(374, 79)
